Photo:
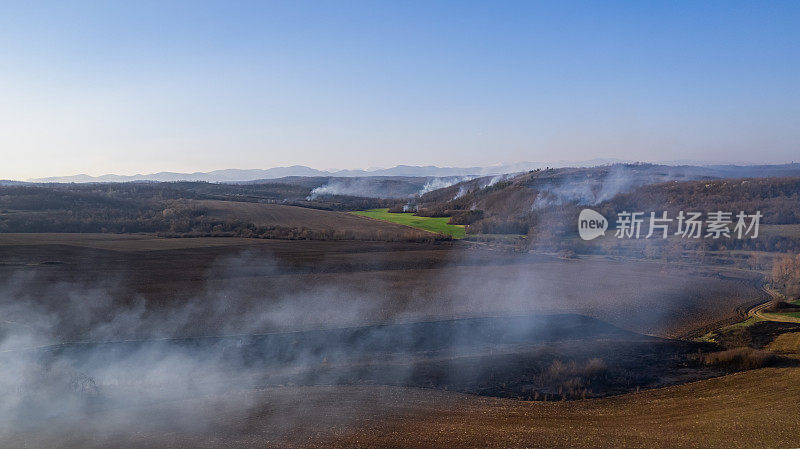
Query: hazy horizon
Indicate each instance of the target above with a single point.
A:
(126, 88)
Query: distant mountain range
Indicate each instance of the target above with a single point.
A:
(241, 175)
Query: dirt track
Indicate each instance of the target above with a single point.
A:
(759, 310)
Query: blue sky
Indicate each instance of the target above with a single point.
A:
(133, 87)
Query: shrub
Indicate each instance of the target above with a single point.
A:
(739, 358)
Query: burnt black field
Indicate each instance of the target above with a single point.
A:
(543, 357)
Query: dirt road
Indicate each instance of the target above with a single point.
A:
(759, 311)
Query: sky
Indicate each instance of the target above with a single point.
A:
(127, 87)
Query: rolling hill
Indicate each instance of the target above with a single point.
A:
(318, 221)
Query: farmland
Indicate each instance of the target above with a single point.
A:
(432, 224)
(714, 413)
(345, 226)
(214, 286)
(369, 282)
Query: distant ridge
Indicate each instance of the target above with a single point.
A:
(239, 175)
(243, 175)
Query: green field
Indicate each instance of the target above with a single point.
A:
(432, 224)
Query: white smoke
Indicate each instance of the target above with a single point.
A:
(441, 183)
(348, 188)
(591, 191)
(366, 188)
(497, 179)
(463, 190)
